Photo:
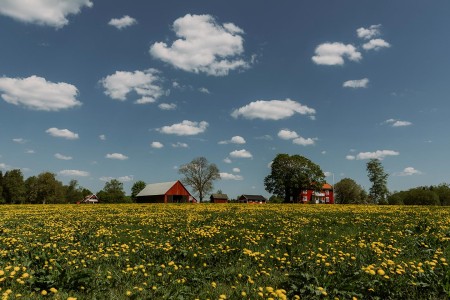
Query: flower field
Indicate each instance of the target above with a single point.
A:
(224, 251)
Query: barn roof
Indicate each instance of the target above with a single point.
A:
(254, 197)
(154, 189)
(219, 196)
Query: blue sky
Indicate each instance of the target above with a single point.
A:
(94, 89)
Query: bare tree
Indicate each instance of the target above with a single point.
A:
(199, 174)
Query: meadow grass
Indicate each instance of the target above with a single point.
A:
(224, 251)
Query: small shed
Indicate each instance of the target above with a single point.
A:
(90, 199)
(252, 199)
(219, 198)
(165, 192)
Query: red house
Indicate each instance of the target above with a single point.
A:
(165, 192)
(219, 198)
(326, 195)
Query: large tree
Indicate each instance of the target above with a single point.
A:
(292, 174)
(378, 191)
(136, 188)
(199, 174)
(112, 192)
(49, 189)
(347, 191)
(13, 186)
(73, 192)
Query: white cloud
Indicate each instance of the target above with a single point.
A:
(350, 157)
(74, 173)
(126, 178)
(327, 174)
(118, 156)
(376, 44)
(241, 154)
(334, 53)
(185, 128)
(287, 134)
(62, 157)
(203, 46)
(62, 133)
(123, 22)
(324, 152)
(266, 137)
(408, 171)
(19, 140)
(157, 145)
(204, 90)
(43, 12)
(379, 154)
(180, 145)
(30, 151)
(227, 160)
(359, 83)
(39, 94)
(106, 178)
(4, 166)
(145, 84)
(304, 141)
(228, 176)
(102, 137)
(167, 106)
(236, 170)
(368, 33)
(397, 123)
(272, 110)
(234, 140)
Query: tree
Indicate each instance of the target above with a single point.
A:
(443, 191)
(13, 187)
(349, 192)
(73, 192)
(49, 189)
(1, 188)
(420, 196)
(200, 175)
(136, 188)
(292, 174)
(31, 190)
(112, 192)
(378, 191)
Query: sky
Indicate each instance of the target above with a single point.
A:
(95, 90)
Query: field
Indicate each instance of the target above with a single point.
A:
(224, 252)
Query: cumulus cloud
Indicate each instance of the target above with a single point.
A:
(30, 151)
(227, 160)
(234, 140)
(228, 176)
(62, 157)
(102, 137)
(287, 134)
(43, 12)
(185, 128)
(408, 171)
(272, 110)
(123, 22)
(39, 94)
(62, 133)
(146, 84)
(334, 54)
(397, 123)
(126, 178)
(368, 33)
(376, 44)
(167, 106)
(19, 140)
(236, 170)
(4, 166)
(350, 157)
(117, 156)
(204, 46)
(379, 154)
(241, 154)
(358, 83)
(157, 145)
(74, 173)
(180, 145)
(203, 90)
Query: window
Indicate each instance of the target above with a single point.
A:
(327, 192)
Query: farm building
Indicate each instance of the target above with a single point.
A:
(219, 198)
(326, 195)
(252, 199)
(90, 199)
(165, 192)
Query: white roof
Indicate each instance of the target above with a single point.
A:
(154, 189)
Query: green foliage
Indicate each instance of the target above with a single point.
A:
(419, 196)
(49, 190)
(136, 188)
(275, 199)
(199, 174)
(443, 191)
(73, 192)
(347, 191)
(291, 174)
(112, 192)
(378, 191)
(13, 187)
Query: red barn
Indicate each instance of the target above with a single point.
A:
(326, 195)
(165, 192)
(219, 198)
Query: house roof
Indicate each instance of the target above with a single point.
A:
(219, 196)
(327, 186)
(254, 197)
(154, 189)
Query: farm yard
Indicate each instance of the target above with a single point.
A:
(229, 251)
